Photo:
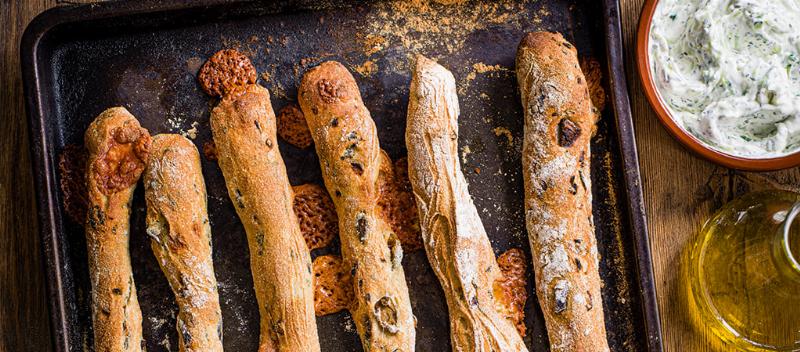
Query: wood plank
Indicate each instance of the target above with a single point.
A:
(680, 192)
(24, 319)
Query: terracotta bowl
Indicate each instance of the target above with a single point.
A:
(688, 140)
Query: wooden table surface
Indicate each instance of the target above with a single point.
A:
(680, 192)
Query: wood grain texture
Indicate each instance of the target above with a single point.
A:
(680, 192)
(24, 321)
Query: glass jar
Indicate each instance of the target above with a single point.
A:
(744, 275)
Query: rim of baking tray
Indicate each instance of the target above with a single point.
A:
(45, 178)
(687, 139)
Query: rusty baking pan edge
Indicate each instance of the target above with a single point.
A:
(630, 161)
(44, 163)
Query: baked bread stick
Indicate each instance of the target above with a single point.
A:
(177, 223)
(455, 241)
(559, 124)
(117, 148)
(243, 127)
(347, 144)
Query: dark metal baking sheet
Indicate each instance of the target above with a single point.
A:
(79, 60)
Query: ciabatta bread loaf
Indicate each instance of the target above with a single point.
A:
(347, 144)
(243, 126)
(455, 241)
(117, 147)
(559, 123)
(177, 223)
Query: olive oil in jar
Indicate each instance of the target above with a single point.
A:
(743, 272)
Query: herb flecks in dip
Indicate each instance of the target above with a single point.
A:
(729, 72)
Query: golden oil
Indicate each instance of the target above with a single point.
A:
(743, 275)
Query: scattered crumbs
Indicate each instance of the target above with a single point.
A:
(367, 68)
(438, 26)
(373, 44)
(348, 324)
(265, 76)
(253, 39)
(471, 76)
(481, 67)
(157, 323)
(502, 131)
(465, 151)
(174, 123)
(192, 132)
(478, 170)
(484, 96)
(165, 343)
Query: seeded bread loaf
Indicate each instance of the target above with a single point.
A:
(347, 144)
(243, 127)
(177, 223)
(559, 123)
(117, 148)
(455, 241)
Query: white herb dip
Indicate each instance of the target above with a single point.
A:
(729, 72)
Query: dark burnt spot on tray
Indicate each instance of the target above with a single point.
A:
(328, 90)
(122, 162)
(210, 150)
(292, 126)
(568, 132)
(225, 70)
(72, 169)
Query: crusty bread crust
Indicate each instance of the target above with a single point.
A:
(455, 241)
(558, 199)
(347, 144)
(177, 223)
(117, 146)
(243, 126)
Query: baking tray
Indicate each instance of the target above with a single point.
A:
(79, 60)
